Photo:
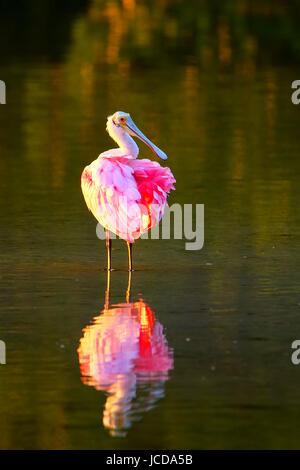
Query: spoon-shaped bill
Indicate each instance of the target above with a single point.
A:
(132, 129)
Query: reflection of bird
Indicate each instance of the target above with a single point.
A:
(124, 352)
(127, 196)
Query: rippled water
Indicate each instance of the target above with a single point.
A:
(217, 323)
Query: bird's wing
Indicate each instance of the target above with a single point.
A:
(111, 194)
(154, 183)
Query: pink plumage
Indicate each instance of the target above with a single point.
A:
(127, 196)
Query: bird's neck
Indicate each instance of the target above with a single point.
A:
(124, 140)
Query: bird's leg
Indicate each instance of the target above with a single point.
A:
(128, 287)
(108, 246)
(106, 306)
(129, 246)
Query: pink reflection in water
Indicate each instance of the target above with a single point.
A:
(124, 352)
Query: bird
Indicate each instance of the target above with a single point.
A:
(125, 194)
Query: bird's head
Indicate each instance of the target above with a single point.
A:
(123, 121)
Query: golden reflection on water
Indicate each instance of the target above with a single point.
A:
(124, 352)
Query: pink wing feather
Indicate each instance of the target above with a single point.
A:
(126, 196)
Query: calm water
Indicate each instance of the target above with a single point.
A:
(221, 319)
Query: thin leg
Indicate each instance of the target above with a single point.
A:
(108, 246)
(129, 246)
(128, 287)
(106, 306)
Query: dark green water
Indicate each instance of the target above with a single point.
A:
(229, 311)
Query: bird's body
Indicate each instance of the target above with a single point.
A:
(126, 195)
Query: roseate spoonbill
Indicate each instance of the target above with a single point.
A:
(127, 196)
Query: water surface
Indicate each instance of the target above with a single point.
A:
(226, 314)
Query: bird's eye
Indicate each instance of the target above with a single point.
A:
(122, 119)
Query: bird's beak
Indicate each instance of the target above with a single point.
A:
(132, 129)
